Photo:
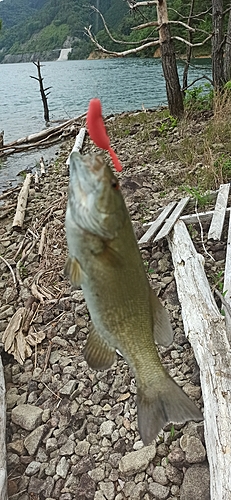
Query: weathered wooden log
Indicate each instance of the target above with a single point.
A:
(205, 328)
(78, 143)
(21, 205)
(3, 471)
(50, 134)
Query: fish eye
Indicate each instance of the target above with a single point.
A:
(115, 184)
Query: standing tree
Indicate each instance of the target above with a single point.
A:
(227, 53)
(165, 42)
(43, 91)
(218, 44)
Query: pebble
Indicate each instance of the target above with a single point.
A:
(108, 489)
(159, 491)
(159, 475)
(62, 467)
(196, 483)
(107, 428)
(194, 450)
(27, 416)
(31, 442)
(32, 468)
(137, 461)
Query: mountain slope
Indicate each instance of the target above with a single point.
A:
(38, 25)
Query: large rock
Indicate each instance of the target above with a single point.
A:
(27, 416)
(194, 450)
(196, 483)
(137, 461)
(32, 441)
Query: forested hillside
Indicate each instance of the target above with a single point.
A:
(41, 25)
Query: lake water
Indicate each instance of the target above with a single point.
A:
(121, 84)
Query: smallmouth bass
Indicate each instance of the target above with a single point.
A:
(104, 259)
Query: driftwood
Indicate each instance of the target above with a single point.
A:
(19, 336)
(22, 202)
(78, 143)
(42, 241)
(205, 328)
(3, 472)
(42, 167)
(44, 138)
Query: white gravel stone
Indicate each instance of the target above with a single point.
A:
(97, 474)
(62, 467)
(31, 442)
(193, 448)
(138, 445)
(51, 444)
(32, 468)
(27, 416)
(159, 475)
(137, 461)
(159, 491)
(107, 428)
(68, 388)
(99, 496)
(108, 490)
(82, 448)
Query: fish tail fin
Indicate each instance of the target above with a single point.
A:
(156, 409)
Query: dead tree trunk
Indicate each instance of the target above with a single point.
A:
(227, 55)
(174, 94)
(189, 47)
(43, 91)
(217, 44)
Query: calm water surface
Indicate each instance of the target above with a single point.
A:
(121, 84)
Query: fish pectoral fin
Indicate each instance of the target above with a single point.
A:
(73, 270)
(161, 404)
(98, 354)
(162, 329)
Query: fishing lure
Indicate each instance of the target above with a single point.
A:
(97, 131)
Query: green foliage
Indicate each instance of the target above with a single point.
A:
(199, 98)
(199, 196)
(223, 167)
(168, 124)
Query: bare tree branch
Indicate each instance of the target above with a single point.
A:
(194, 16)
(183, 24)
(145, 25)
(123, 53)
(123, 42)
(196, 80)
(133, 5)
(192, 44)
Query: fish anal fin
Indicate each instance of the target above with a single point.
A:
(73, 270)
(162, 329)
(156, 409)
(98, 354)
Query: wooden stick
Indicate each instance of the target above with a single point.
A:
(42, 166)
(3, 473)
(157, 223)
(218, 219)
(205, 328)
(42, 241)
(36, 180)
(22, 202)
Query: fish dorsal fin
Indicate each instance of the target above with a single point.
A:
(162, 329)
(73, 270)
(98, 354)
